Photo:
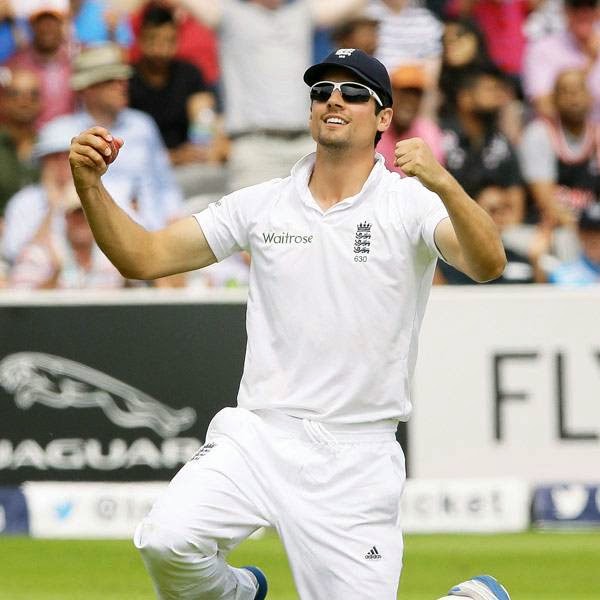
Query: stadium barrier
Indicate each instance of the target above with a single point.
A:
(564, 505)
(120, 387)
(14, 511)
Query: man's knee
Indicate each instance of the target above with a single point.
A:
(160, 545)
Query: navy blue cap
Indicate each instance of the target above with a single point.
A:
(367, 68)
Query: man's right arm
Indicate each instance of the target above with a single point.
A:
(136, 252)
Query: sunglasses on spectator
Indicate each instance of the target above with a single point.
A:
(351, 91)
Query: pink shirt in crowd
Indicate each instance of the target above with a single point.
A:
(547, 57)
(57, 96)
(425, 129)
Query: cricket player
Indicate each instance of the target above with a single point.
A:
(343, 253)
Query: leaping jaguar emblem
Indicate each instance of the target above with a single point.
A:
(62, 383)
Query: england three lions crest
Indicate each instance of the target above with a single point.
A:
(362, 238)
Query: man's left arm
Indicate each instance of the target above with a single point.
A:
(469, 239)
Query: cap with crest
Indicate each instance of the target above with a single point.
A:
(367, 68)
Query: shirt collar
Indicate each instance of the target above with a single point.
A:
(303, 169)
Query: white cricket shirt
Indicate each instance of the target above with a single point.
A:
(336, 298)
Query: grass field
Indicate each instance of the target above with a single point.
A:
(533, 566)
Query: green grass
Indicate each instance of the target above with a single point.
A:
(533, 566)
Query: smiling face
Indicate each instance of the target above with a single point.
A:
(342, 125)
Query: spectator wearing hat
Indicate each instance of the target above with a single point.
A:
(408, 86)
(36, 206)
(100, 77)
(586, 269)
(360, 31)
(20, 106)
(65, 257)
(48, 55)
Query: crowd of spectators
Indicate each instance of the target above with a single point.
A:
(209, 97)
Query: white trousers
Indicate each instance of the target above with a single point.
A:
(332, 494)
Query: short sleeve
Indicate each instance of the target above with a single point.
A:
(431, 220)
(225, 225)
(423, 213)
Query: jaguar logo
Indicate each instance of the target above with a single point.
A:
(35, 377)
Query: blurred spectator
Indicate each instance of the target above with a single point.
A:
(67, 258)
(547, 17)
(408, 85)
(360, 31)
(96, 22)
(29, 208)
(559, 157)
(13, 31)
(463, 49)
(100, 76)
(527, 266)
(19, 109)
(502, 24)
(478, 154)
(410, 34)
(407, 34)
(196, 42)
(586, 269)
(266, 45)
(141, 179)
(48, 55)
(576, 47)
(173, 92)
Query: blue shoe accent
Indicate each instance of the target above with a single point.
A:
(261, 594)
(494, 586)
(482, 587)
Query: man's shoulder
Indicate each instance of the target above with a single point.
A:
(264, 191)
(395, 188)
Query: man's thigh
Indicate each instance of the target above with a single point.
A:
(213, 497)
(345, 541)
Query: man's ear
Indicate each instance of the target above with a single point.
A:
(384, 119)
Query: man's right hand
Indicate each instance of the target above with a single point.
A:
(91, 153)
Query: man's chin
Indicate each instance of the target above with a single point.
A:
(332, 142)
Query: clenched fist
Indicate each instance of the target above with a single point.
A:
(91, 153)
(415, 159)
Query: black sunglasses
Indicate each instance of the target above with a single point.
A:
(352, 92)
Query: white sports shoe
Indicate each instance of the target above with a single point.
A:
(482, 587)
